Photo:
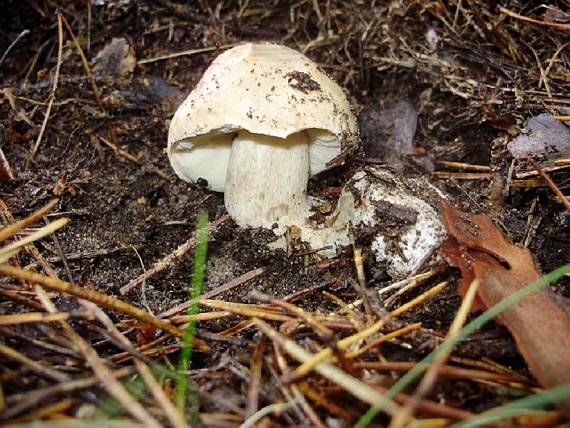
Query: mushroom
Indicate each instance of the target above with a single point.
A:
(261, 121)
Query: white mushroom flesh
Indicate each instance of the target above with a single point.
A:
(267, 179)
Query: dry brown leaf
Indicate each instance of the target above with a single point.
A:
(539, 325)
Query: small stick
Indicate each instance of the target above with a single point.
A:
(10, 230)
(19, 403)
(54, 87)
(6, 173)
(362, 287)
(321, 401)
(255, 378)
(451, 372)
(464, 166)
(528, 183)
(42, 370)
(182, 53)
(96, 297)
(17, 225)
(397, 333)
(324, 332)
(551, 184)
(242, 279)
(103, 373)
(32, 317)
(119, 151)
(557, 167)
(85, 63)
(356, 387)
(7, 51)
(169, 259)
(555, 25)
(246, 310)
(462, 175)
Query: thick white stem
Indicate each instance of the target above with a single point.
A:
(267, 179)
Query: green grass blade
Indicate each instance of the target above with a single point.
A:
(474, 325)
(517, 408)
(200, 255)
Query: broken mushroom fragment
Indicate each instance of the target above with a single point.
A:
(396, 214)
(261, 121)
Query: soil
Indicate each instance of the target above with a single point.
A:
(127, 214)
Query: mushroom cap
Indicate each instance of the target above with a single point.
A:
(265, 89)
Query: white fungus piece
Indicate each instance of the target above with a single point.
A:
(261, 121)
(406, 228)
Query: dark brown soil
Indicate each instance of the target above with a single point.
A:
(118, 207)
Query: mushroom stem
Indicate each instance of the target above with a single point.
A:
(267, 179)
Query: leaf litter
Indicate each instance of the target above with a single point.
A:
(539, 323)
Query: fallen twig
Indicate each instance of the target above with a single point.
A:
(188, 52)
(98, 298)
(169, 259)
(356, 387)
(103, 373)
(462, 175)
(555, 189)
(554, 25)
(85, 63)
(464, 166)
(242, 279)
(54, 87)
(35, 366)
(19, 403)
(7, 51)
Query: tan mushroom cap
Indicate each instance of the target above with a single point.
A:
(265, 89)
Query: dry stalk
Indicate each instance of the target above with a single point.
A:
(242, 279)
(555, 189)
(389, 336)
(175, 417)
(246, 310)
(33, 317)
(35, 366)
(85, 63)
(183, 53)
(12, 249)
(452, 372)
(169, 259)
(10, 230)
(405, 414)
(54, 87)
(344, 343)
(21, 402)
(553, 25)
(356, 387)
(103, 373)
(97, 298)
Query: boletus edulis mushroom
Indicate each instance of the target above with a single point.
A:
(261, 121)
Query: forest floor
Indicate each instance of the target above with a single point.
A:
(473, 75)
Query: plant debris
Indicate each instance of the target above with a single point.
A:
(474, 75)
(539, 324)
